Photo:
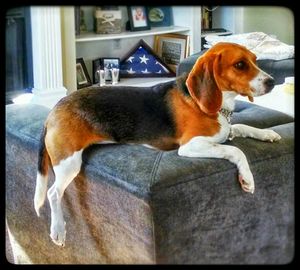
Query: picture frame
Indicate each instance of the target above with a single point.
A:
(108, 21)
(172, 48)
(96, 67)
(82, 75)
(110, 63)
(142, 62)
(160, 16)
(138, 18)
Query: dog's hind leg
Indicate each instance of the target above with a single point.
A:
(65, 172)
(68, 134)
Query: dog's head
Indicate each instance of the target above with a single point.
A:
(226, 67)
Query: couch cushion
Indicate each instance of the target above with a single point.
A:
(258, 116)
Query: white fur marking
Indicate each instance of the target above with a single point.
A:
(40, 192)
(223, 133)
(65, 172)
(258, 83)
(149, 146)
(106, 142)
(112, 142)
(228, 102)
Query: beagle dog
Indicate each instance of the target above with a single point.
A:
(190, 114)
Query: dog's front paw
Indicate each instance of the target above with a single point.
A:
(270, 136)
(58, 233)
(247, 182)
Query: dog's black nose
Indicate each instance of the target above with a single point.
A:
(269, 84)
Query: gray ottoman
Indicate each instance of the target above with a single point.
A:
(131, 204)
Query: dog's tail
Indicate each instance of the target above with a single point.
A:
(42, 174)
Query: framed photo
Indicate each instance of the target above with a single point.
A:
(160, 16)
(96, 68)
(108, 21)
(82, 75)
(138, 18)
(172, 48)
(108, 64)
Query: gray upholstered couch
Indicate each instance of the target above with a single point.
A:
(131, 204)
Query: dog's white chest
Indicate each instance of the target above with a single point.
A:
(224, 131)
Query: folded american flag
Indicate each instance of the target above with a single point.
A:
(142, 62)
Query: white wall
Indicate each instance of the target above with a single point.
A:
(275, 20)
(190, 16)
(68, 48)
(278, 21)
(223, 17)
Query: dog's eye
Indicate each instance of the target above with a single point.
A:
(241, 65)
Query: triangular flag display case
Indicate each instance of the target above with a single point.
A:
(142, 61)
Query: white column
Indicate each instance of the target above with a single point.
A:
(47, 56)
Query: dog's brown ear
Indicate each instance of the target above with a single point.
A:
(202, 85)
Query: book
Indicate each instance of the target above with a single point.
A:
(206, 15)
(77, 20)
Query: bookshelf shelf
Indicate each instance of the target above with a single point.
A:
(154, 31)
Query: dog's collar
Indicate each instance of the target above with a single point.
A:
(227, 114)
